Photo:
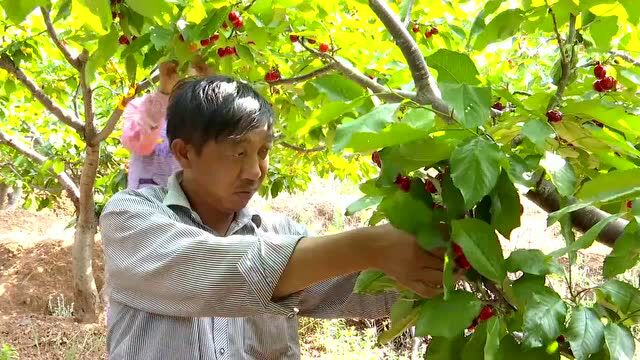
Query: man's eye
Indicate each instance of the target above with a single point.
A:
(239, 154)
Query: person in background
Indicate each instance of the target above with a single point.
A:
(144, 131)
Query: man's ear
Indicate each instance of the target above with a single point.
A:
(182, 152)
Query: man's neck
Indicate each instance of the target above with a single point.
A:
(218, 221)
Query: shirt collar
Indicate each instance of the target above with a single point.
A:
(176, 197)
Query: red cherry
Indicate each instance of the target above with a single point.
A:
(415, 28)
(221, 52)
(560, 339)
(599, 71)
(205, 42)
(123, 40)
(608, 83)
(324, 47)
(430, 187)
(554, 116)
(238, 23)
(434, 31)
(233, 16)
(403, 182)
(230, 50)
(272, 75)
(311, 41)
(214, 37)
(597, 86)
(375, 157)
(462, 262)
(629, 204)
(486, 313)
(457, 250)
(498, 106)
(428, 34)
(294, 38)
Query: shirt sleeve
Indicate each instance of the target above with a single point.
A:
(160, 265)
(143, 119)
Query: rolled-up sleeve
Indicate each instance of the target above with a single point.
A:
(158, 264)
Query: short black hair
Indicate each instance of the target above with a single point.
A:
(215, 108)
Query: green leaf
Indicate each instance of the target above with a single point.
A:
(367, 126)
(503, 26)
(481, 247)
(510, 349)
(619, 341)
(603, 29)
(611, 186)
(543, 318)
(17, 11)
(132, 67)
(621, 297)
(474, 348)
(245, 53)
(530, 261)
(405, 212)
(159, 10)
(633, 11)
(452, 198)
(625, 253)
(337, 87)
(561, 173)
(107, 46)
(161, 37)
(403, 316)
(610, 115)
(58, 167)
(364, 202)
(442, 348)
(475, 167)
(538, 132)
(505, 206)
(454, 67)
(495, 332)
(585, 332)
(587, 238)
(447, 318)
(96, 14)
(478, 24)
(470, 103)
(373, 282)
(419, 118)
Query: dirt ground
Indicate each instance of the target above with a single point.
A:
(36, 282)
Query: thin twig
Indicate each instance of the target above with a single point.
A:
(310, 75)
(407, 17)
(566, 60)
(302, 149)
(625, 56)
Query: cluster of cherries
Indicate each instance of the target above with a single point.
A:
(323, 47)
(428, 34)
(604, 82)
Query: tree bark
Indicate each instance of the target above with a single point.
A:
(85, 291)
(4, 190)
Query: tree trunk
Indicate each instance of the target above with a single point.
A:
(4, 190)
(85, 292)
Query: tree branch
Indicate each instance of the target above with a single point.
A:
(301, 149)
(323, 70)
(7, 63)
(67, 183)
(625, 56)
(54, 36)
(566, 60)
(426, 88)
(115, 115)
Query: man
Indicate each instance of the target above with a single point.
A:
(194, 274)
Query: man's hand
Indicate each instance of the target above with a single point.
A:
(168, 76)
(399, 255)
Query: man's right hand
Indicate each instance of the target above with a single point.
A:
(168, 76)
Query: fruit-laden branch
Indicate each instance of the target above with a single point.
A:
(64, 179)
(427, 92)
(7, 64)
(566, 58)
(56, 40)
(546, 197)
(361, 79)
(293, 80)
(115, 115)
(625, 56)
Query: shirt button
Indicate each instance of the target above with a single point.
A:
(221, 351)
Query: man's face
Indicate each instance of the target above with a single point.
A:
(229, 172)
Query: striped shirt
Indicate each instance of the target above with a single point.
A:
(178, 290)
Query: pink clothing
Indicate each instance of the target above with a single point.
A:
(144, 135)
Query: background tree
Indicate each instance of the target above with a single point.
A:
(462, 112)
